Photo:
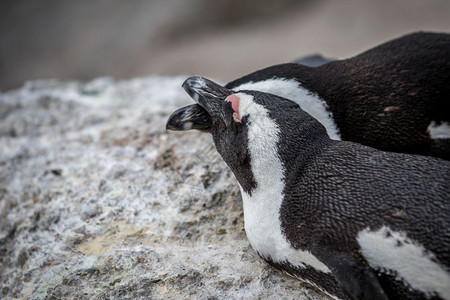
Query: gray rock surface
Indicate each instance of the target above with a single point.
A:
(98, 201)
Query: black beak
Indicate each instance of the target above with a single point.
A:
(189, 117)
(208, 94)
(200, 88)
(210, 97)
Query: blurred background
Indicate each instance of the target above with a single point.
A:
(221, 39)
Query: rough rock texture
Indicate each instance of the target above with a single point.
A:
(98, 201)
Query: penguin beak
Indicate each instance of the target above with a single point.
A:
(189, 117)
(208, 95)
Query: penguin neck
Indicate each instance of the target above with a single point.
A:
(262, 206)
(301, 145)
(278, 144)
(293, 89)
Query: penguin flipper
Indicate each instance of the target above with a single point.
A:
(354, 275)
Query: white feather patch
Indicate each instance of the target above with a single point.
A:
(388, 250)
(292, 90)
(441, 131)
(261, 209)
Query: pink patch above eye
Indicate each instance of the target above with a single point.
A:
(235, 105)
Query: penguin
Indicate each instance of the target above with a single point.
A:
(353, 221)
(394, 97)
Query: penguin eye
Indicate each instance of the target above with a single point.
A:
(235, 106)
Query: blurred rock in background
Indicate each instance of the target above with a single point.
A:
(220, 39)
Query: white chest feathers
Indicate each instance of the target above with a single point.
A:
(261, 209)
(263, 229)
(292, 90)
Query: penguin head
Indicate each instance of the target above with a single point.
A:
(249, 128)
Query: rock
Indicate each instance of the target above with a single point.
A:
(98, 201)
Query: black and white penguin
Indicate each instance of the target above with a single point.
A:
(351, 220)
(394, 97)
